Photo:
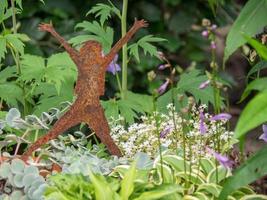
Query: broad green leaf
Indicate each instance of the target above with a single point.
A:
(102, 189)
(159, 192)
(257, 68)
(15, 42)
(250, 21)
(253, 115)
(176, 162)
(222, 174)
(253, 169)
(127, 184)
(210, 188)
(206, 165)
(260, 48)
(258, 85)
(144, 101)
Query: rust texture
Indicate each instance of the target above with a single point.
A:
(90, 85)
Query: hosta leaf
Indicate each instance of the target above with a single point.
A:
(223, 173)
(254, 11)
(253, 115)
(256, 68)
(260, 48)
(102, 189)
(127, 184)
(253, 169)
(210, 188)
(258, 85)
(176, 162)
(159, 192)
(167, 175)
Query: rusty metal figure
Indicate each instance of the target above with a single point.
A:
(90, 85)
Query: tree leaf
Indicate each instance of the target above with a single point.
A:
(253, 169)
(250, 21)
(254, 114)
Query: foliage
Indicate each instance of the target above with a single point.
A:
(254, 11)
(253, 169)
(21, 181)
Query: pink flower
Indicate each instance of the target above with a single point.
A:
(205, 33)
(204, 84)
(213, 27)
(163, 87)
(213, 45)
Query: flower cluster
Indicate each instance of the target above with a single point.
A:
(200, 130)
(209, 31)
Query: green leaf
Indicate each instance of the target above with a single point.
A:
(32, 68)
(145, 44)
(11, 93)
(254, 114)
(253, 169)
(127, 184)
(2, 48)
(145, 102)
(111, 108)
(250, 21)
(258, 84)
(104, 11)
(256, 68)
(102, 188)
(260, 48)
(8, 72)
(15, 41)
(159, 192)
(104, 35)
(190, 82)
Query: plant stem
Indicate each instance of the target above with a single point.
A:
(16, 54)
(124, 49)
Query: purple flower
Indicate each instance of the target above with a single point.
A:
(162, 67)
(213, 45)
(221, 116)
(223, 160)
(163, 87)
(264, 135)
(204, 84)
(205, 33)
(113, 67)
(202, 125)
(165, 131)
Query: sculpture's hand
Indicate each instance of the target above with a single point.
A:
(140, 23)
(46, 27)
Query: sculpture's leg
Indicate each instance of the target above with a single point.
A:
(96, 120)
(68, 120)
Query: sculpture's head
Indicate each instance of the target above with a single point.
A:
(91, 50)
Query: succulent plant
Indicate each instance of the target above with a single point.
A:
(21, 181)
